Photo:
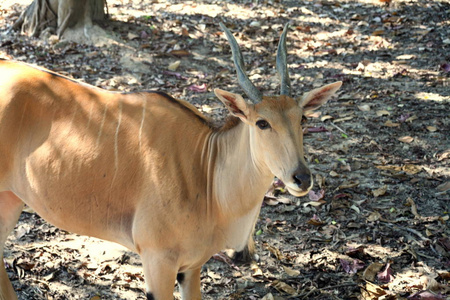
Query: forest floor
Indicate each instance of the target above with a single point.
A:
(376, 226)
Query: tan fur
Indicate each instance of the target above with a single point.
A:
(143, 170)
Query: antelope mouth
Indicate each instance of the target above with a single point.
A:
(296, 191)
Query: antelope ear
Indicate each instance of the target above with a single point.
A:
(235, 104)
(317, 97)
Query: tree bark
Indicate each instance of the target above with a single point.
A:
(55, 16)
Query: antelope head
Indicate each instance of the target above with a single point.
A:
(275, 122)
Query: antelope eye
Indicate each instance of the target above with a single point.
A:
(263, 124)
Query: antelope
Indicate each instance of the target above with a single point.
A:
(145, 170)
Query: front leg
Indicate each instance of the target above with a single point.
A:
(189, 283)
(160, 274)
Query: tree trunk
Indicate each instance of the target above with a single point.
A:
(55, 16)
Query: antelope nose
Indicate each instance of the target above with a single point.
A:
(303, 180)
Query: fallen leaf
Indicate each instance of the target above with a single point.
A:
(444, 187)
(351, 266)
(431, 128)
(380, 191)
(198, 88)
(316, 196)
(371, 271)
(378, 32)
(284, 200)
(386, 276)
(326, 117)
(314, 203)
(411, 169)
(317, 129)
(343, 119)
(96, 297)
(364, 107)
(412, 118)
(132, 36)
(383, 112)
(411, 203)
(256, 271)
(348, 185)
(425, 295)
(373, 216)
(406, 139)
(174, 66)
(315, 220)
(275, 251)
(389, 123)
(180, 53)
(283, 287)
(269, 296)
(270, 201)
(291, 272)
(333, 174)
(372, 291)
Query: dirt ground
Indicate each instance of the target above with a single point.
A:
(376, 226)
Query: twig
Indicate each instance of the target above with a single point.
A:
(423, 238)
(338, 128)
(304, 296)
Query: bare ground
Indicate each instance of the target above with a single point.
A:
(380, 151)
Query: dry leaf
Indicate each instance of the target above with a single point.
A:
(351, 266)
(378, 32)
(284, 200)
(256, 271)
(383, 113)
(355, 208)
(283, 287)
(96, 297)
(372, 291)
(270, 201)
(269, 296)
(334, 174)
(431, 128)
(313, 196)
(364, 107)
(291, 272)
(444, 187)
(380, 191)
(314, 203)
(348, 185)
(371, 271)
(406, 139)
(412, 118)
(315, 222)
(411, 202)
(389, 123)
(174, 66)
(180, 53)
(132, 36)
(275, 251)
(326, 117)
(386, 276)
(343, 119)
(411, 169)
(374, 216)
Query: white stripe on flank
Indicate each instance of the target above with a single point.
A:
(116, 142)
(101, 126)
(142, 123)
(72, 120)
(90, 115)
